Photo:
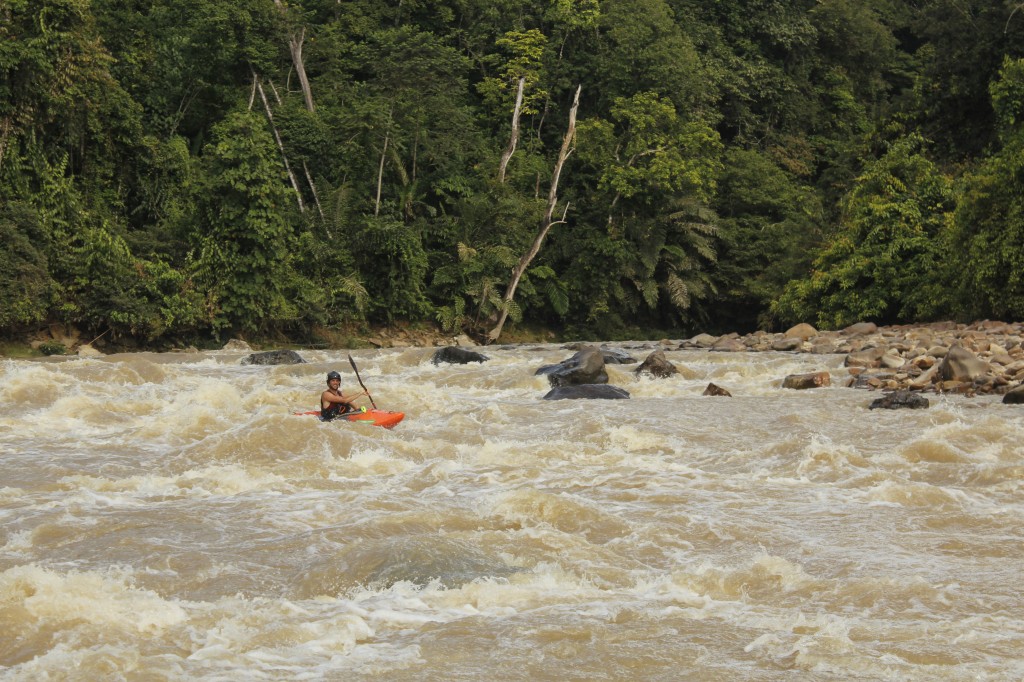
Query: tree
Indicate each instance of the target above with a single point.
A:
(655, 174)
(962, 46)
(25, 283)
(884, 263)
(547, 222)
(245, 236)
(988, 225)
(770, 225)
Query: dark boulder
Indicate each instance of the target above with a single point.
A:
(714, 389)
(898, 400)
(585, 367)
(457, 355)
(273, 357)
(1015, 396)
(657, 365)
(587, 392)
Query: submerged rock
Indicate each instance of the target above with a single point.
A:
(587, 392)
(383, 562)
(900, 400)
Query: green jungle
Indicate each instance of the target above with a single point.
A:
(184, 171)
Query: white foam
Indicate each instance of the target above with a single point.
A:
(106, 599)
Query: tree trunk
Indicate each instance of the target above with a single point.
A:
(295, 45)
(295, 41)
(380, 173)
(5, 133)
(280, 145)
(546, 224)
(514, 137)
(316, 197)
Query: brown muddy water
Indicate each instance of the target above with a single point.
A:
(166, 517)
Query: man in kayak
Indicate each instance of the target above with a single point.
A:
(332, 402)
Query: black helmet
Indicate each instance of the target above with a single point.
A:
(333, 375)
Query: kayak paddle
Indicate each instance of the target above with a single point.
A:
(354, 369)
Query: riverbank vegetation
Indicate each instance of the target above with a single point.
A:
(198, 169)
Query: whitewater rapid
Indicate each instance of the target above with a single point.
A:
(167, 517)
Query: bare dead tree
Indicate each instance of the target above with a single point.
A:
(1006, 28)
(277, 137)
(380, 172)
(316, 197)
(546, 224)
(295, 41)
(514, 137)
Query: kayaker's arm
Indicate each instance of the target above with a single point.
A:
(327, 398)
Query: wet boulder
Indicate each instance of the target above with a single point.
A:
(587, 392)
(900, 400)
(1015, 396)
(585, 367)
(614, 356)
(656, 365)
(457, 356)
(716, 390)
(273, 357)
(805, 381)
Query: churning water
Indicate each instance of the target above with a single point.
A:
(167, 517)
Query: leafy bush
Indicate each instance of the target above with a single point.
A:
(52, 348)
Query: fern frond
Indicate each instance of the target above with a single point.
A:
(678, 292)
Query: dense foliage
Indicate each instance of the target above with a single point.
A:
(189, 169)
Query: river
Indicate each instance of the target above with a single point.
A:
(167, 517)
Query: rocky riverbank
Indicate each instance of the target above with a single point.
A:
(942, 357)
(985, 357)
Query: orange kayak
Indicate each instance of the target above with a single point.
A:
(384, 418)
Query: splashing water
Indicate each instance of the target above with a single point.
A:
(168, 517)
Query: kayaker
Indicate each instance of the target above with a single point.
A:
(332, 402)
